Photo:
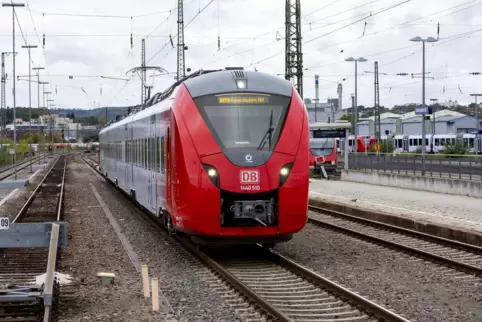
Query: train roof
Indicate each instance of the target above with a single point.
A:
(211, 82)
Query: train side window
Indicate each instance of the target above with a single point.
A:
(138, 152)
(149, 155)
(160, 154)
(129, 146)
(144, 152)
(141, 141)
(135, 152)
(153, 154)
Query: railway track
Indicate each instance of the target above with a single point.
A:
(459, 256)
(24, 266)
(8, 171)
(270, 287)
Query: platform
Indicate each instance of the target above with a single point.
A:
(450, 216)
(13, 184)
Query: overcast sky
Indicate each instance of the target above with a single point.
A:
(250, 30)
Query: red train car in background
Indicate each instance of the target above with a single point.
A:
(220, 156)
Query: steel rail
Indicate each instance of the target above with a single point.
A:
(60, 205)
(259, 302)
(23, 165)
(362, 303)
(254, 298)
(34, 194)
(414, 233)
(421, 253)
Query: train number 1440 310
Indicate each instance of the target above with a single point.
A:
(250, 188)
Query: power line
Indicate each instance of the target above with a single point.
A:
(173, 38)
(333, 31)
(69, 14)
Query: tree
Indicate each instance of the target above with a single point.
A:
(91, 137)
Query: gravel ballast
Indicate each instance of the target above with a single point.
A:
(185, 284)
(412, 287)
(93, 248)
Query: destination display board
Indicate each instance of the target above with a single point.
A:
(332, 133)
(245, 99)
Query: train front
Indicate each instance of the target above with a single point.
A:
(245, 145)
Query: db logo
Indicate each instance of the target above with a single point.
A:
(250, 176)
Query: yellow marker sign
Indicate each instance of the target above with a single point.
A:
(242, 100)
(377, 147)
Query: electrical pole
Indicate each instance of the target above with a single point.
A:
(353, 116)
(43, 109)
(143, 75)
(30, 100)
(317, 95)
(477, 123)
(2, 100)
(293, 52)
(181, 67)
(432, 142)
(424, 107)
(378, 127)
(13, 5)
(339, 91)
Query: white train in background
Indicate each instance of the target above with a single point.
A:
(413, 143)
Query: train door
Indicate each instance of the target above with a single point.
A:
(130, 180)
(151, 163)
(405, 144)
(167, 148)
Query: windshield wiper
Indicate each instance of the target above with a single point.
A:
(268, 134)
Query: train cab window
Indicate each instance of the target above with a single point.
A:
(240, 122)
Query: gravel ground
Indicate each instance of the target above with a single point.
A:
(412, 287)
(94, 247)
(430, 207)
(11, 207)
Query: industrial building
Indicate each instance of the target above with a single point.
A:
(446, 122)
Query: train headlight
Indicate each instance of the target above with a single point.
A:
(241, 83)
(212, 173)
(284, 173)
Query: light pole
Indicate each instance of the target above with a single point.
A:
(30, 100)
(424, 130)
(477, 124)
(38, 69)
(13, 5)
(432, 143)
(43, 112)
(49, 126)
(355, 112)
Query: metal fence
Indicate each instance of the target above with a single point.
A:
(436, 165)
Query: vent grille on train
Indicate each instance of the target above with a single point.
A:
(239, 74)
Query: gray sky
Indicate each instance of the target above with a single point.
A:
(90, 47)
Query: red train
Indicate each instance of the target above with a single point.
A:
(227, 162)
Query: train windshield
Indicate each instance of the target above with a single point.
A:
(322, 147)
(244, 121)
